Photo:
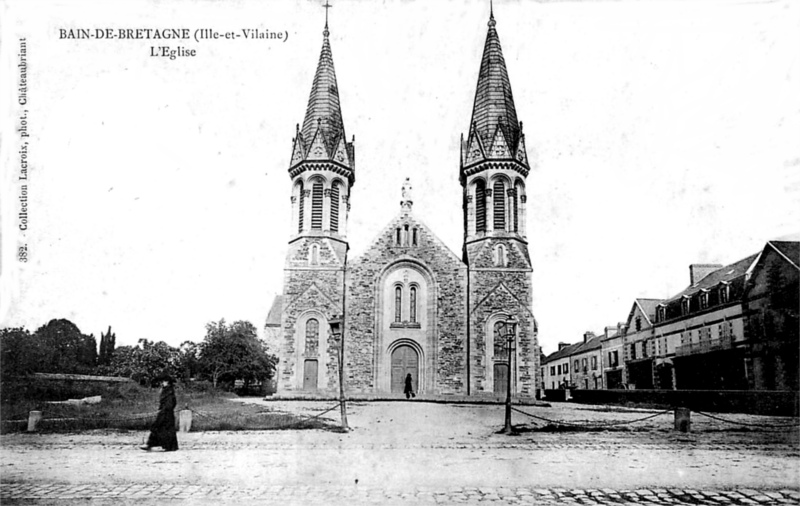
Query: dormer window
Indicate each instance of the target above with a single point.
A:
(704, 299)
(685, 305)
(661, 312)
(723, 293)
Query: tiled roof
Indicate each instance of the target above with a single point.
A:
(789, 249)
(323, 103)
(494, 103)
(564, 352)
(590, 345)
(274, 316)
(727, 273)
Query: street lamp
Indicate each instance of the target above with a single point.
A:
(509, 327)
(336, 324)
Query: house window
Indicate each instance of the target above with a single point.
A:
(335, 207)
(566, 368)
(723, 294)
(633, 351)
(638, 323)
(499, 206)
(615, 360)
(594, 363)
(480, 206)
(312, 337)
(316, 206)
(553, 372)
(577, 366)
(583, 364)
(558, 368)
(398, 304)
(413, 304)
(644, 349)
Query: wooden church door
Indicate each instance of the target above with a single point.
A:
(404, 361)
(310, 375)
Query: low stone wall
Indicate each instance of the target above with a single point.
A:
(763, 402)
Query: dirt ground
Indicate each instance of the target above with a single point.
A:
(398, 445)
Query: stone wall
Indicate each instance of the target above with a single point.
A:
(447, 296)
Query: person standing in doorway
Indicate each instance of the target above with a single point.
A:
(409, 388)
(162, 432)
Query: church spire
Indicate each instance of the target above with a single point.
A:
(494, 112)
(321, 137)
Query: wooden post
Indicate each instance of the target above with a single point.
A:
(683, 419)
(185, 420)
(34, 417)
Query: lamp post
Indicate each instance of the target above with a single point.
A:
(510, 327)
(336, 325)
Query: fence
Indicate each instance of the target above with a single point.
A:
(775, 403)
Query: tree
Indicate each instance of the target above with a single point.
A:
(17, 352)
(188, 360)
(146, 361)
(107, 343)
(61, 348)
(231, 352)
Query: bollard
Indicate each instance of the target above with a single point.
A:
(683, 419)
(185, 420)
(34, 417)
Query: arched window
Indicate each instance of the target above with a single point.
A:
(499, 193)
(335, 207)
(398, 304)
(300, 202)
(316, 206)
(500, 349)
(480, 206)
(314, 255)
(413, 304)
(312, 337)
(500, 255)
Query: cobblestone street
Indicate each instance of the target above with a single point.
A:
(419, 453)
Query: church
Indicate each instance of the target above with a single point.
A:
(408, 304)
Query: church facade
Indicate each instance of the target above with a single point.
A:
(409, 305)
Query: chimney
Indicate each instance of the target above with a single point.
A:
(588, 335)
(561, 346)
(611, 331)
(699, 271)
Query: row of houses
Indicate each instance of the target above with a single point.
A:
(735, 327)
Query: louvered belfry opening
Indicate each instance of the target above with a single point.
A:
(335, 207)
(301, 203)
(499, 193)
(480, 206)
(316, 206)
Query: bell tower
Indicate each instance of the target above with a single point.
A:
(322, 173)
(493, 173)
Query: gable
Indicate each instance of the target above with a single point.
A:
(408, 237)
(331, 253)
(314, 296)
(481, 254)
(501, 298)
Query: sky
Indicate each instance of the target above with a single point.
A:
(660, 134)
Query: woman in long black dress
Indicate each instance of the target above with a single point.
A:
(409, 387)
(162, 432)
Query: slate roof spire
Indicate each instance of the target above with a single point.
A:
(495, 132)
(321, 137)
(323, 102)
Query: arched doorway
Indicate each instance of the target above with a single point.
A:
(404, 361)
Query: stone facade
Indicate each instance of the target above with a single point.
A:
(411, 308)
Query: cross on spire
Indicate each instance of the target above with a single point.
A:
(327, 6)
